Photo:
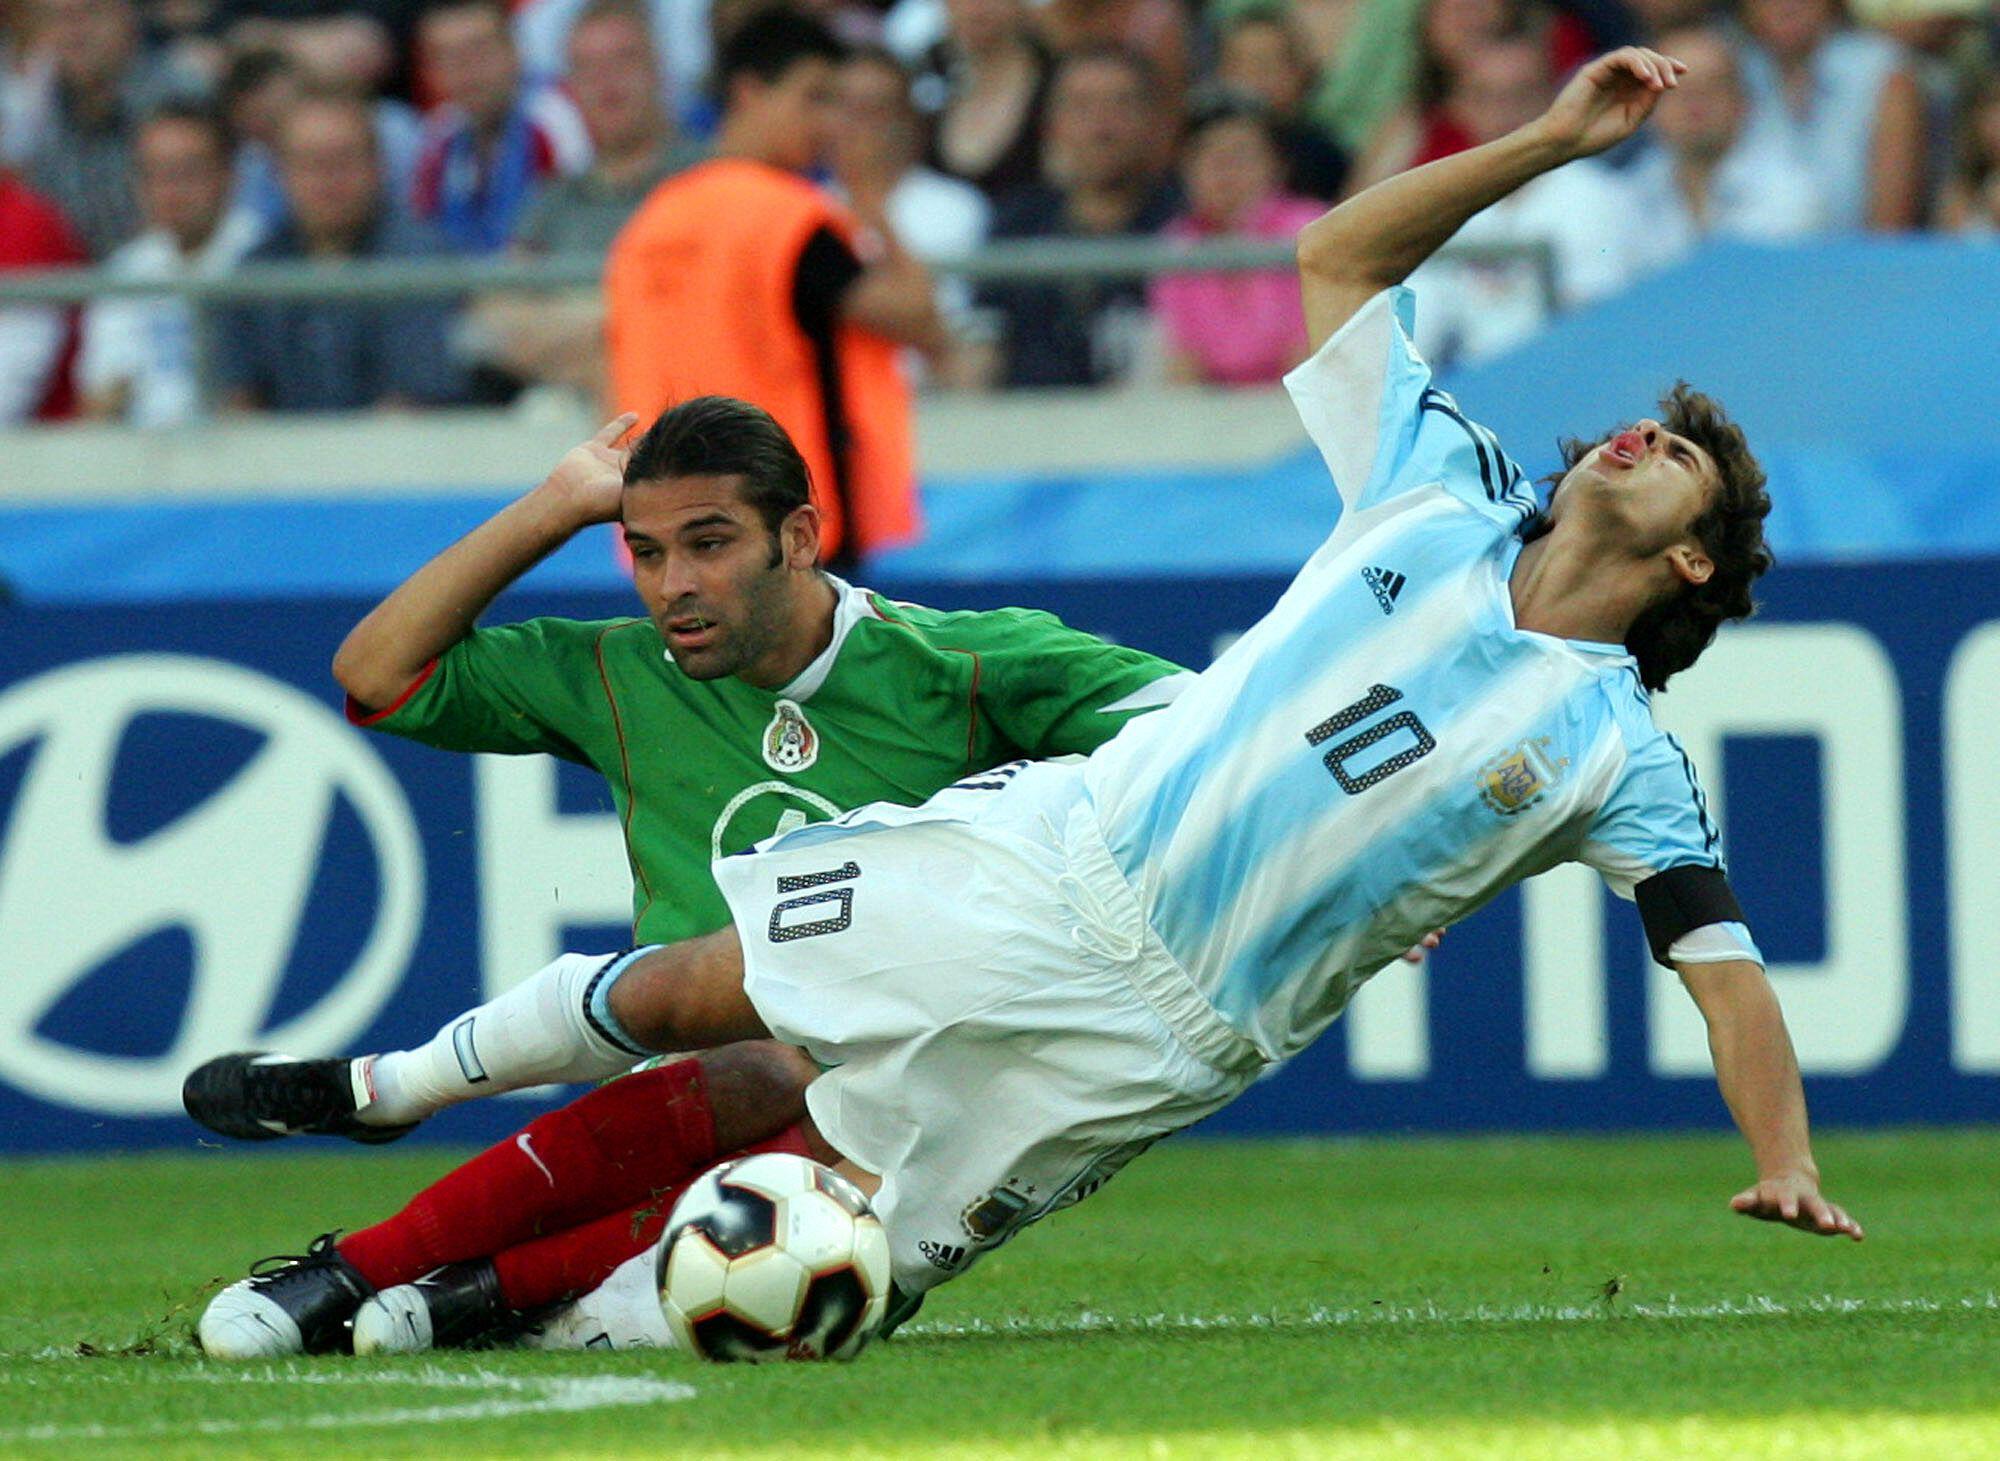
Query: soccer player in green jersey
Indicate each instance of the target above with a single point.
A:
(755, 694)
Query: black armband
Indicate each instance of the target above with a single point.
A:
(1682, 899)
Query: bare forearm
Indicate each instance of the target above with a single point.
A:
(898, 300)
(438, 604)
(1755, 1065)
(1380, 235)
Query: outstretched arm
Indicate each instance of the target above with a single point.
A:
(1759, 1076)
(438, 604)
(1379, 236)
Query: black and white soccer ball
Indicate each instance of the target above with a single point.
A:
(773, 1257)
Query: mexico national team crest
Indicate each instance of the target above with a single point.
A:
(790, 742)
(1515, 781)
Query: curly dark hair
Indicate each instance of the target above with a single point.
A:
(1671, 634)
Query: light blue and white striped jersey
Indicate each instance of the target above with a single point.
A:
(1385, 750)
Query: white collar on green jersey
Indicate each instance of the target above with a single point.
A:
(850, 606)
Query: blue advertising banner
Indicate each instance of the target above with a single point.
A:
(197, 853)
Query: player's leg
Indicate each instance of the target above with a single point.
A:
(607, 1151)
(601, 1153)
(558, 1025)
(478, 1300)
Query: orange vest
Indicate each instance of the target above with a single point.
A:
(698, 301)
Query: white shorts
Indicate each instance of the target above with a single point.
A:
(1002, 1029)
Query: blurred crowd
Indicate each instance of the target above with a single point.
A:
(158, 139)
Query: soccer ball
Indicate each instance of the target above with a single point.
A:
(773, 1257)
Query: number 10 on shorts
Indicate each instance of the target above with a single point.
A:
(828, 908)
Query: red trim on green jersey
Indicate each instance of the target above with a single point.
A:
(361, 715)
(624, 763)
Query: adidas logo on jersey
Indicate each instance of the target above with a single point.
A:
(947, 1256)
(1385, 583)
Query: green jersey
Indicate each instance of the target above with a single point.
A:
(903, 702)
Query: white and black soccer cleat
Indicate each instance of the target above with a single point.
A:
(292, 1304)
(457, 1307)
(255, 1096)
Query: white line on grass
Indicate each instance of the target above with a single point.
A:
(518, 1395)
(1756, 1306)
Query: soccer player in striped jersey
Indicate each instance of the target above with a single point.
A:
(1019, 986)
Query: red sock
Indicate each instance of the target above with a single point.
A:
(567, 1265)
(603, 1153)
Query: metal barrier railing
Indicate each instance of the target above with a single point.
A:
(1006, 261)
(369, 280)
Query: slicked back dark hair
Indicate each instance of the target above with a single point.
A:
(769, 44)
(720, 436)
(1670, 636)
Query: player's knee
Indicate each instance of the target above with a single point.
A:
(685, 996)
(755, 1089)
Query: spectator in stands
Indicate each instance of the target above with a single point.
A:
(1581, 215)
(37, 344)
(1447, 112)
(879, 173)
(1366, 56)
(1708, 172)
(1952, 47)
(877, 164)
(1971, 199)
(491, 140)
(1852, 104)
(1262, 60)
(634, 144)
(369, 45)
(1234, 329)
(103, 84)
(987, 85)
(1100, 182)
(336, 355)
(557, 337)
(1155, 30)
(27, 80)
(138, 360)
(257, 88)
(739, 277)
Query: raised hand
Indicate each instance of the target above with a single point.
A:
(1794, 1198)
(590, 478)
(1605, 101)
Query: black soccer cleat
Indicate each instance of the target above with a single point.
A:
(255, 1096)
(292, 1304)
(457, 1307)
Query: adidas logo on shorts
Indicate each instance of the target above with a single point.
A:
(948, 1256)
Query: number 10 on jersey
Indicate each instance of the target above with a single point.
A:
(1379, 698)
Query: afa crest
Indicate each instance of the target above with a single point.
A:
(1515, 781)
(790, 742)
(990, 1218)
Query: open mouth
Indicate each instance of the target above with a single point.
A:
(1626, 448)
(691, 631)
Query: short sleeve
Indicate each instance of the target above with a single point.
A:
(512, 689)
(1656, 818)
(1051, 690)
(1383, 428)
(1654, 842)
(1361, 396)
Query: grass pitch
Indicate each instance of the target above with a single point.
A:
(1503, 1298)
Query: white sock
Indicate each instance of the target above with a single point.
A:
(538, 1033)
(623, 1312)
